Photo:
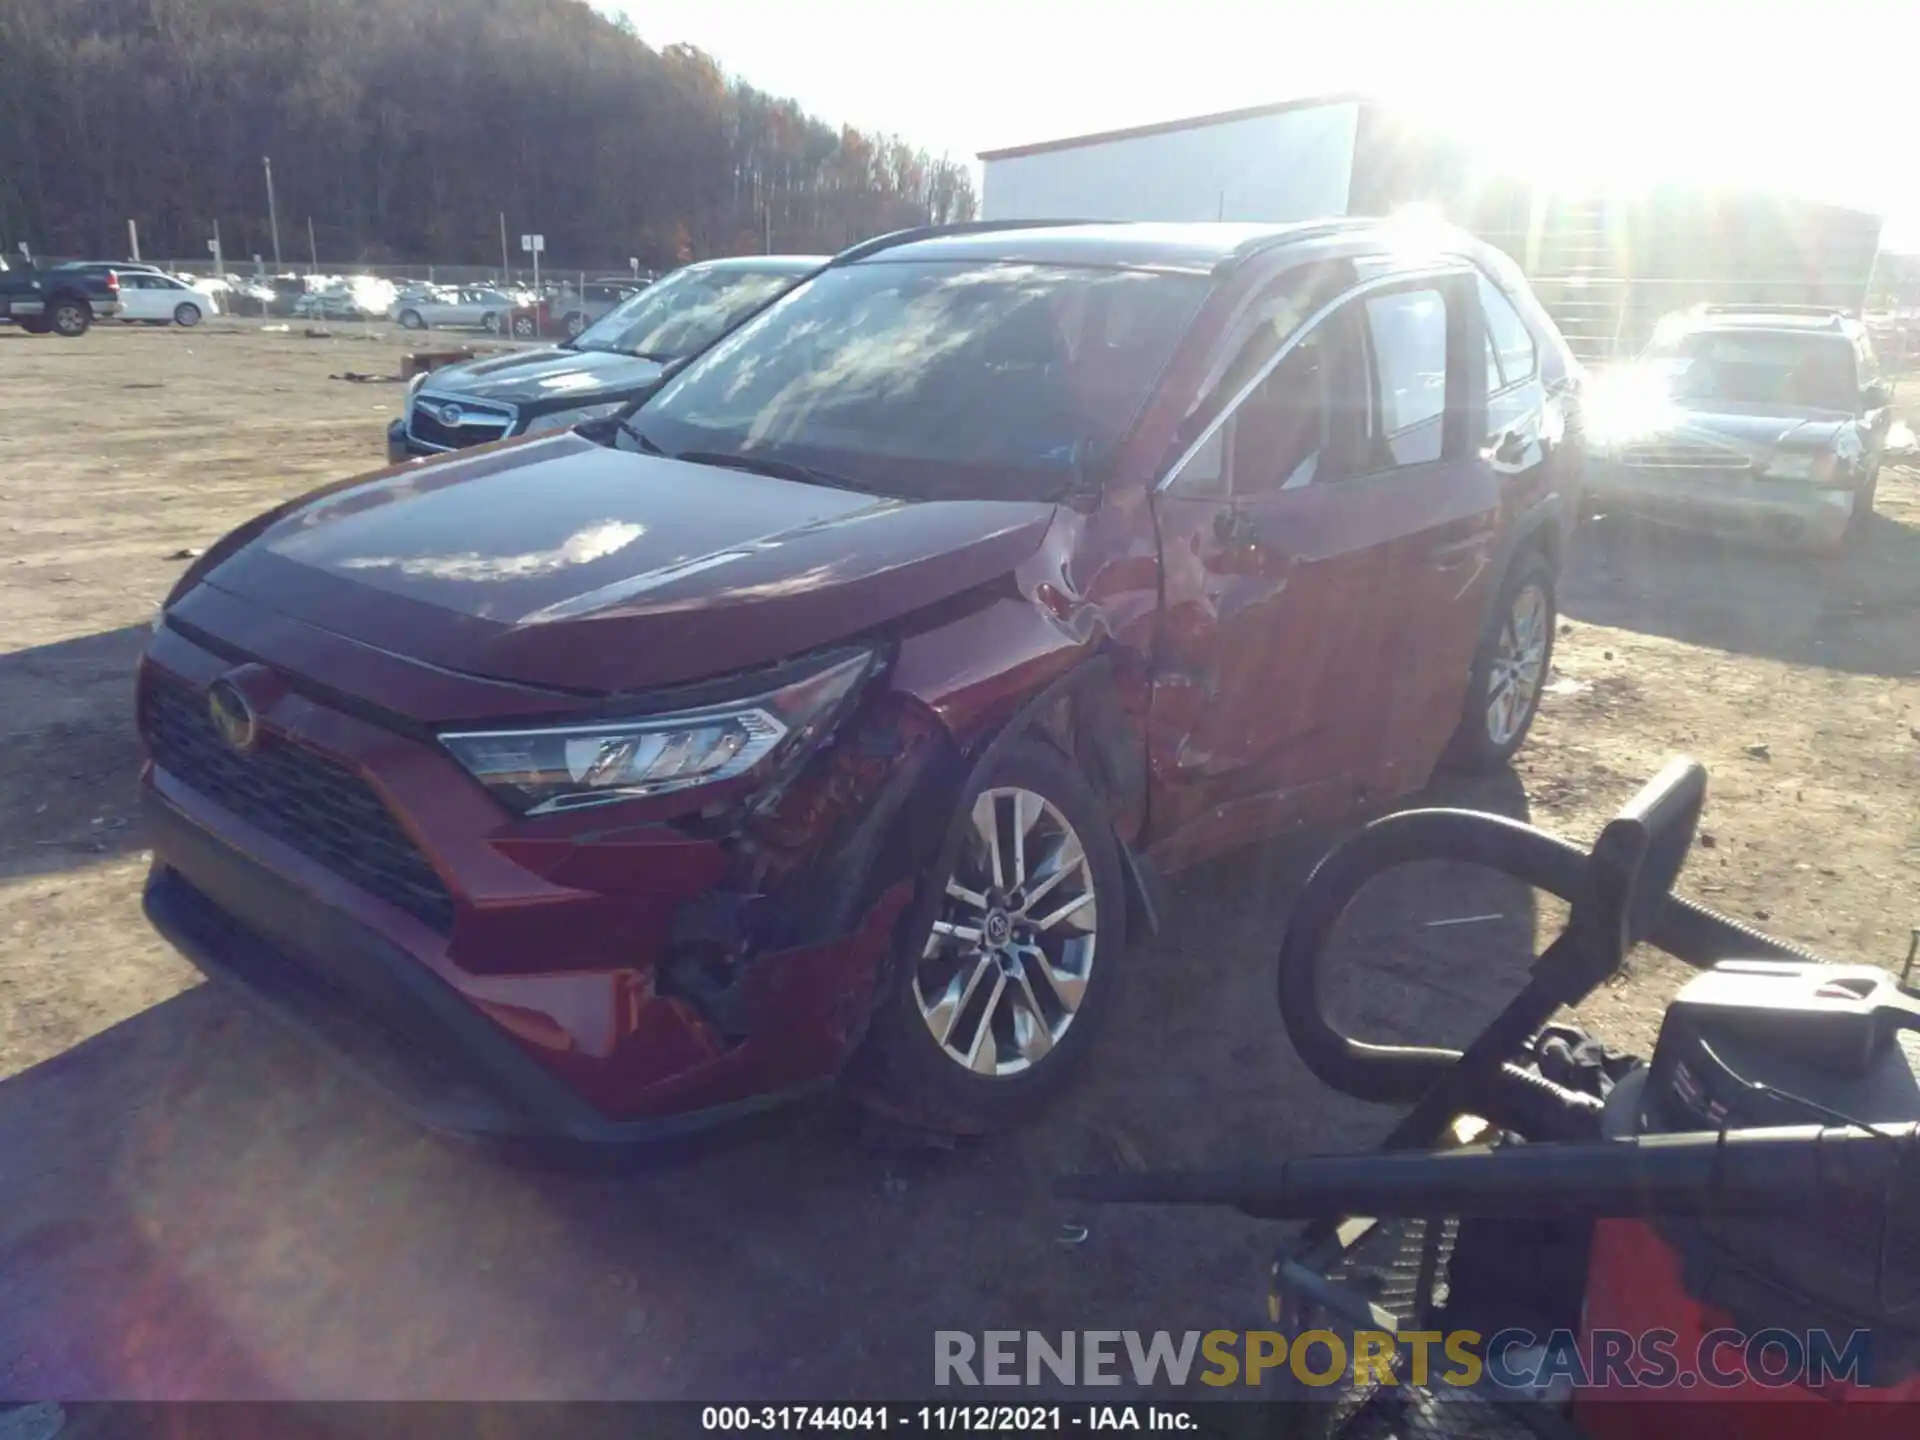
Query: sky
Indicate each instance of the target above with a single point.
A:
(1775, 95)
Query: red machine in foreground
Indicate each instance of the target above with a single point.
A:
(1722, 1241)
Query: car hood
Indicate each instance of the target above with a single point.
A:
(561, 563)
(548, 378)
(1761, 430)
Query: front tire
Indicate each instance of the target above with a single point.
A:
(1009, 961)
(1512, 663)
(412, 320)
(576, 322)
(491, 322)
(523, 327)
(186, 314)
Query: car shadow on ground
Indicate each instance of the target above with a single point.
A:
(69, 758)
(198, 1206)
(1856, 611)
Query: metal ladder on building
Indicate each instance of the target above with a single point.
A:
(1576, 256)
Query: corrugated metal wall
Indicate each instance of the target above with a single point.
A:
(1609, 264)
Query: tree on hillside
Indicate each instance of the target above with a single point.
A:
(404, 128)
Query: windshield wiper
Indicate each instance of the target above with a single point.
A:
(640, 438)
(778, 469)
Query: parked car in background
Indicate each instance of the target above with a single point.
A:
(477, 306)
(612, 364)
(60, 300)
(217, 287)
(107, 267)
(1755, 420)
(327, 305)
(575, 309)
(834, 709)
(157, 299)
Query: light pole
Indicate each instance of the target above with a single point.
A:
(273, 215)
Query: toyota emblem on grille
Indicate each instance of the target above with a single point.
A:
(233, 715)
(451, 414)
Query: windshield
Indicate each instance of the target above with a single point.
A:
(684, 313)
(1782, 368)
(930, 378)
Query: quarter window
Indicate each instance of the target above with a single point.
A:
(1512, 342)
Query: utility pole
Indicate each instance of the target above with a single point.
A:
(506, 275)
(133, 240)
(313, 251)
(273, 215)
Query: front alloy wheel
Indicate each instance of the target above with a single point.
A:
(1004, 969)
(1010, 959)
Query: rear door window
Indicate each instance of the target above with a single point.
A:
(1407, 334)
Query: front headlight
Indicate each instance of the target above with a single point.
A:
(567, 419)
(565, 767)
(1801, 465)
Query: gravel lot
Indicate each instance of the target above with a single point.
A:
(192, 1205)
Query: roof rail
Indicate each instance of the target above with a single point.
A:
(1311, 230)
(894, 238)
(1837, 312)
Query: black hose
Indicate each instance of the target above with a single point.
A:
(1402, 1074)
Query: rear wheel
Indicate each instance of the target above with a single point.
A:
(523, 327)
(412, 320)
(71, 318)
(1011, 957)
(186, 313)
(1503, 693)
(491, 322)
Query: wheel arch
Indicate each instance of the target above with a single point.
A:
(1081, 715)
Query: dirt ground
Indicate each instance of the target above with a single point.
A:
(192, 1205)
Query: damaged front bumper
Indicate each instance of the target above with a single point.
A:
(591, 985)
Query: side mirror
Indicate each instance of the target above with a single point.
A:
(1876, 393)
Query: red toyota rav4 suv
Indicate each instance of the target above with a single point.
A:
(836, 711)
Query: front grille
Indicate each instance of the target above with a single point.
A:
(316, 805)
(1684, 455)
(478, 423)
